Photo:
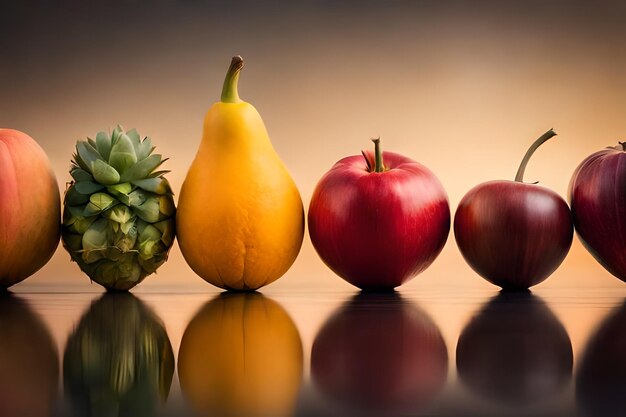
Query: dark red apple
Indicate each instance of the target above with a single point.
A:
(600, 382)
(379, 352)
(515, 351)
(511, 233)
(378, 219)
(598, 200)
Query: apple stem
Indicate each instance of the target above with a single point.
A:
(623, 145)
(519, 177)
(229, 91)
(379, 166)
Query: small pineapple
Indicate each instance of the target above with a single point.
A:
(119, 213)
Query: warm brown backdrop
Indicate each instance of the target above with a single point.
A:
(463, 87)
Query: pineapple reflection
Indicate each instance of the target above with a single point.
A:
(380, 354)
(601, 382)
(29, 368)
(118, 361)
(241, 355)
(515, 351)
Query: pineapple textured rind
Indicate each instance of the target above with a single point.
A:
(119, 212)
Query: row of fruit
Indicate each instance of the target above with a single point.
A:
(376, 219)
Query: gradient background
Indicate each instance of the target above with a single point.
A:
(462, 87)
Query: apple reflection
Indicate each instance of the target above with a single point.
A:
(241, 355)
(601, 378)
(119, 360)
(379, 353)
(29, 364)
(515, 351)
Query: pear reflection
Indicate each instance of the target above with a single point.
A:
(379, 352)
(29, 367)
(601, 379)
(515, 351)
(119, 360)
(241, 355)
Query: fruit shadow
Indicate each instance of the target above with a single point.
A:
(118, 360)
(241, 355)
(600, 382)
(514, 351)
(379, 353)
(28, 360)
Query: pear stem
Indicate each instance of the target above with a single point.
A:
(229, 91)
(519, 177)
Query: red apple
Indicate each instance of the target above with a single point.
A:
(378, 219)
(515, 351)
(379, 352)
(598, 200)
(514, 234)
(30, 207)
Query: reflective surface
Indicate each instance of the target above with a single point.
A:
(29, 367)
(514, 352)
(379, 353)
(118, 360)
(311, 352)
(241, 355)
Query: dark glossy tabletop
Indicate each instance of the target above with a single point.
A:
(332, 351)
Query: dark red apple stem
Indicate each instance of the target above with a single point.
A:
(519, 177)
(378, 156)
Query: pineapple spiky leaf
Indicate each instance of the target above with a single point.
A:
(80, 175)
(156, 185)
(133, 135)
(103, 145)
(118, 221)
(142, 169)
(87, 187)
(144, 149)
(115, 135)
(123, 154)
(156, 174)
(78, 162)
(88, 154)
(74, 198)
(104, 173)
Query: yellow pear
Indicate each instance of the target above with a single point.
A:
(241, 355)
(240, 220)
